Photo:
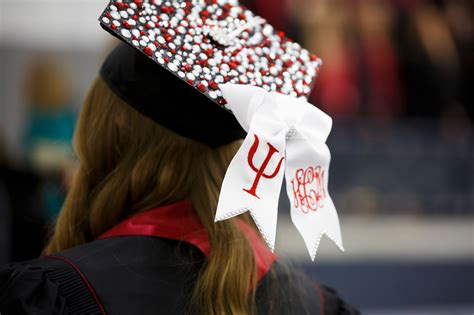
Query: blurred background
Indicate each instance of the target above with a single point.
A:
(397, 80)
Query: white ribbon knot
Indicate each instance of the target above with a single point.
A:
(286, 138)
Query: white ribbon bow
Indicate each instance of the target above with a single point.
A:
(286, 137)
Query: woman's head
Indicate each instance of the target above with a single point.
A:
(127, 164)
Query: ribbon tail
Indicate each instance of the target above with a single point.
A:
(312, 209)
(253, 182)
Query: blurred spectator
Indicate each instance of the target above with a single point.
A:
(388, 59)
(431, 61)
(328, 28)
(460, 18)
(5, 209)
(47, 142)
(22, 225)
(379, 66)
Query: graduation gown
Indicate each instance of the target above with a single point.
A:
(148, 264)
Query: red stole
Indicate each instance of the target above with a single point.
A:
(178, 221)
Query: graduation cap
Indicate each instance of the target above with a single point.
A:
(184, 50)
(212, 71)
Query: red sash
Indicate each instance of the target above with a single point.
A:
(178, 221)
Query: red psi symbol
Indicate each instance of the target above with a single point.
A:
(261, 171)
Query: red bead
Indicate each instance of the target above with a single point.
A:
(120, 5)
(126, 24)
(241, 16)
(288, 63)
(221, 101)
(190, 81)
(147, 25)
(135, 17)
(142, 33)
(163, 46)
(156, 43)
(233, 64)
(148, 51)
(209, 51)
(187, 67)
(205, 13)
(173, 51)
(107, 14)
(281, 34)
(201, 87)
(213, 85)
(114, 27)
(167, 59)
(227, 6)
(314, 57)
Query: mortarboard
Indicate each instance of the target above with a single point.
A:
(203, 44)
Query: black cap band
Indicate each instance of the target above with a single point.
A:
(169, 101)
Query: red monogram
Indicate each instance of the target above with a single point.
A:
(261, 171)
(308, 198)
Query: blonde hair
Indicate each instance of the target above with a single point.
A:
(129, 164)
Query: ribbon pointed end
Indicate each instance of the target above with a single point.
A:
(265, 231)
(314, 249)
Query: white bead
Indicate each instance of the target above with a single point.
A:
(125, 33)
(172, 67)
(136, 32)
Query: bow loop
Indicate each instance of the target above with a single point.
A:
(286, 138)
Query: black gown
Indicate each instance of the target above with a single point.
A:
(148, 264)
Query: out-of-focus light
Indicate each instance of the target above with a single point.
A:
(51, 23)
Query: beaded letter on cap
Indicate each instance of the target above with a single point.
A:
(208, 43)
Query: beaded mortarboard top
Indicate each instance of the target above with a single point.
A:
(208, 43)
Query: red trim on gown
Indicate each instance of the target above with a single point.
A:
(179, 222)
